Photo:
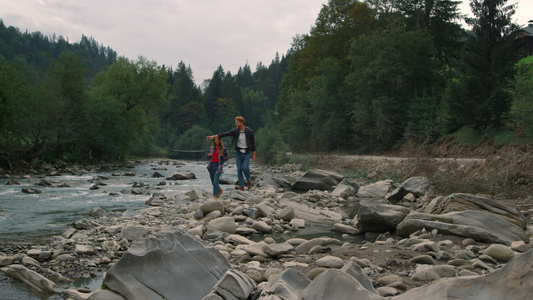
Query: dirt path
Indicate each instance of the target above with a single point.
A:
(402, 159)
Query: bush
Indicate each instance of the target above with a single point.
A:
(270, 146)
(193, 140)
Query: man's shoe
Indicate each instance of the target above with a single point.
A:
(239, 188)
(249, 184)
(219, 192)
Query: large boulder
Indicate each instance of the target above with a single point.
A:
(287, 284)
(464, 202)
(168, 265)
(315, 215)
(417, 186)
(343, 191)
(480, 226)
(354, 270)
(381, 217)
(317, 180)
(514, 281)
(30, 278)
(375, 190)
(336, 284)
(234, 285)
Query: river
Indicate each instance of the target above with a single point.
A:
(34, 218)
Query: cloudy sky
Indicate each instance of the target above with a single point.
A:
(202, 33)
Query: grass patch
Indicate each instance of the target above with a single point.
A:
(305, 160)
(467, 136)
(526, 61)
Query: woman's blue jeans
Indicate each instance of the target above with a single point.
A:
(243, 166)
(213, 168)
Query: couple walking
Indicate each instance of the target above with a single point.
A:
(244, 141)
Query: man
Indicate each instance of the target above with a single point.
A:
(244, 141)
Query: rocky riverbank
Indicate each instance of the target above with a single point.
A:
(414, 243)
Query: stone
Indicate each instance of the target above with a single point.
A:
(30, 278)
(513, 281)
(133, 232)
(499, 252)
(287, 284)
(181, 176)
(471, 224)
(343, 228)
(31, 190)
(286, 214)
(520, 246)
(422, 259)
(261, 226)
(329, 261)
(264, 210)
(6, 260)
(192, 194)
(97, 212)
(236, 239)
(299, 223)
(430, 273)
(170, 265)
(275, 250)
(389, 279)
(308, 245)
(417, 186)
(317, 180)
(344, 191)
(104, 295)
(335, 284)
(381, 217)
(353, 269)
(224, 224)
(212, 205)
(468, 202)
(84, 249)
(234, 285)
(426, 246)
(387, 291)
(375, 190)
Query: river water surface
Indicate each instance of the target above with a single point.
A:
(31, 218)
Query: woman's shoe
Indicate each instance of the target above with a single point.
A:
(219, 192)
(239, 188)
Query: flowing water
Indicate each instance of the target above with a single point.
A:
(26, 217)
(31, 218)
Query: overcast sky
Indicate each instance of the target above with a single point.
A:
(202, 33)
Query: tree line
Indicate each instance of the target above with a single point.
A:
(369, 76)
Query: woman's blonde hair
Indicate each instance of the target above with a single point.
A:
(221, 145)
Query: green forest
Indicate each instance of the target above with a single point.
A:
(369, 76)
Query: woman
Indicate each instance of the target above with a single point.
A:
(218, 154)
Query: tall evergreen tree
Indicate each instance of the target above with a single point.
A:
(480, 97)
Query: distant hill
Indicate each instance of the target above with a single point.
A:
(34, 52)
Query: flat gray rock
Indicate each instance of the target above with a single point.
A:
(169, 265)
(514, 281)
